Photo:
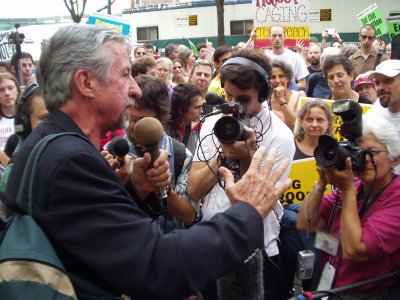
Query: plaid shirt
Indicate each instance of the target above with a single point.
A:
(362, 65)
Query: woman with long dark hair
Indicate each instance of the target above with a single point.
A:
(186, 110)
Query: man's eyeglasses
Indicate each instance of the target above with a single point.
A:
(369, 37)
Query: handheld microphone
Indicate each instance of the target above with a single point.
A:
(119, 147)
(148, 134)
(214, 99)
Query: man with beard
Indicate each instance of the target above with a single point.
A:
(314, 57)
(364, 59)
(387, 80)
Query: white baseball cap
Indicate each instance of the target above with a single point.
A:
(388, 68)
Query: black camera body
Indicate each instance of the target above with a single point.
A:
(329, 152)
(16, 38)
(229, 129)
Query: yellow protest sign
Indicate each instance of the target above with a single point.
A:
(292, 34)
(303, 172)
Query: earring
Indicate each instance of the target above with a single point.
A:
(302, 133)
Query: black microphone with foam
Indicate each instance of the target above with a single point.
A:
(213, 99)
(148, 134)
(119, 148)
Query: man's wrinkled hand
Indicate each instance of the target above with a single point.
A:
(257, 186)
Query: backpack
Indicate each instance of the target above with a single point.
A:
(29, 266)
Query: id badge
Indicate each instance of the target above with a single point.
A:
(326, 242)
(325, 283)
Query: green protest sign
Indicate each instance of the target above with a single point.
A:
(372, 15)
(393, 24)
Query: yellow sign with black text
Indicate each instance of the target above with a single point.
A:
(303, 172)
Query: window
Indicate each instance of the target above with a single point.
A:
(147, 34)
(243, 27)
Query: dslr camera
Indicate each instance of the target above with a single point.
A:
(329, 152)
(229, 129)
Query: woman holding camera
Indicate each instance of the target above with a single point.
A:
(358, 224)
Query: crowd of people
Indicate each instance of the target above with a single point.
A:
(200, 216)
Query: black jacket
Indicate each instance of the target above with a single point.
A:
(101, 235)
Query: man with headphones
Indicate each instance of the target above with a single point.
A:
(245, 77)
(31, 110)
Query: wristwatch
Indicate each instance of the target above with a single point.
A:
(168, 189)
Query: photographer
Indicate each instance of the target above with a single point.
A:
(337, 42)
(245, 78)
(360, 218)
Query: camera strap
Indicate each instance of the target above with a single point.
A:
(370, 200)
(333, 213)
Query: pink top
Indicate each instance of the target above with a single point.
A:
(380, 233)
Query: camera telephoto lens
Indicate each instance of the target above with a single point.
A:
(330, 153)
(228, 130)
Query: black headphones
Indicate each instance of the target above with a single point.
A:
(22, 122)
(266, 92)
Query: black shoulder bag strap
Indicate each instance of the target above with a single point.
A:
(179, 157)
(23, 204)
(188, 129)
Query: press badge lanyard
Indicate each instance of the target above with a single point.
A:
(324, 239)
(328, 243)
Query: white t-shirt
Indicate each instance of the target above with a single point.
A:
(277, 136)
(6, 129)
(393, 118)
(293, 59)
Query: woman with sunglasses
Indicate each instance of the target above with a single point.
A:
(358, 224)
(177, 71)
